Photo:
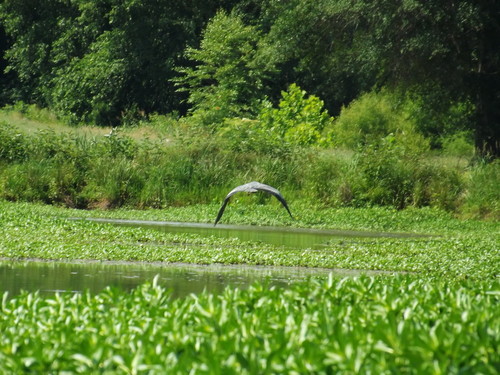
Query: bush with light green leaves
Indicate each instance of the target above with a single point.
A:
(299, 120)
(378, 119)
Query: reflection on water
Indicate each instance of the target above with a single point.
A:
(182, 279)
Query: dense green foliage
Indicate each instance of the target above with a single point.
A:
(457, 249)
(298, 120)
(100, 62)
(366, 325)
(446, 51)
(86, 171)
(375, 119)
(113, 62)
(228, 78)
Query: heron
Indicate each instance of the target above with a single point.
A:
(252, 187)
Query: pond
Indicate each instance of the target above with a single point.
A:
(181, 279)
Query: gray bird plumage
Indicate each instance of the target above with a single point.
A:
(252, 187)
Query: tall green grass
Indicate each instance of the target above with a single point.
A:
(197, 166)
(483, 196)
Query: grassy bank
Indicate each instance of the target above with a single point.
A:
(166, 162)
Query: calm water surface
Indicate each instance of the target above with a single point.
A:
(181, 279)
(296, 238)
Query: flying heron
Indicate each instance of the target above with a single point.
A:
(252, 187)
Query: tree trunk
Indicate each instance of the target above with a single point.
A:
(487, 132)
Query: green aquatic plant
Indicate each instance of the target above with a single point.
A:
(350, 325)
(457, 249)
(440, 317)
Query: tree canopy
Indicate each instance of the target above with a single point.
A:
(103, 61)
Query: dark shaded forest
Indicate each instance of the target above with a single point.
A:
(110, 62)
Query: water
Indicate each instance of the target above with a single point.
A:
(295, 238)
(181, 279)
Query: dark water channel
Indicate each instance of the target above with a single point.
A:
(50, 277)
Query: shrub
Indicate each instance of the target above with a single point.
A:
(437, 186)
(115, 144)
(278, 171)
(249, 136)
(47, 181)
(387, 177)
(375, 118)
(332, 178)
(112, 182)
(483, 194)
(298, 120)
(459, 144)
(13, 144)
(436, 117)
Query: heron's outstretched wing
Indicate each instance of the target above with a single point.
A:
(221, 210)
(276, 193)
(237, 189)
(252, 187)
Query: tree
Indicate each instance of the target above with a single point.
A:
(127, 65)
(446, 44)
(32, 27)
(7, 79)
(96, 60)
(451, 43)
(311, 43)
(92, 88)
(227, 79)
